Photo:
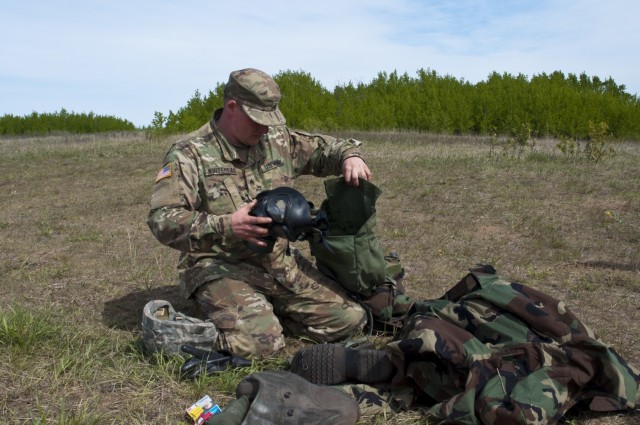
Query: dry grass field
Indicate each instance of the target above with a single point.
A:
(78, 263)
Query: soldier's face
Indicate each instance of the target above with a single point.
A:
(247, 131)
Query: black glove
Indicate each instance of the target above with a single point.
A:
(209, 362)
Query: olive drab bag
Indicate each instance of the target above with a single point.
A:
(349, 251)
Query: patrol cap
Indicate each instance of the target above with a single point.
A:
(258, 94)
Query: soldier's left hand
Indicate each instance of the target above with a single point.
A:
(248, 227)
(354, 167)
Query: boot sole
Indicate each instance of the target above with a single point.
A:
(332, 364)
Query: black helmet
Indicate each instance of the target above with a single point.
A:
(290, 212)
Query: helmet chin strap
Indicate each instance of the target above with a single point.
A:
(320, 227)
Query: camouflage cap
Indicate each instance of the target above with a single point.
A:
(258, 94)
(164, 329)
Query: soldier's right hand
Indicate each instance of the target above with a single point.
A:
(248, 227)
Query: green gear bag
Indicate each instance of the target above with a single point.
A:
(349, 252)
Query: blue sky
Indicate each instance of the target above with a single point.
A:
(132, 58)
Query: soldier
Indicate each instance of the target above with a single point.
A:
(201, 206)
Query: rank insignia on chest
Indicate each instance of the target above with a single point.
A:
(167, 171)
(271, 165)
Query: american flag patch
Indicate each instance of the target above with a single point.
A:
(165, 172)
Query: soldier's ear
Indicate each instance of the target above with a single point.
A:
(231, 104)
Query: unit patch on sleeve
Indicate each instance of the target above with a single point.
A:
(167, 171)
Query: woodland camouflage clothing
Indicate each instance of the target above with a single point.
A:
(204, 180)
(497, 352)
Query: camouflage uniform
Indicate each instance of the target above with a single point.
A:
(204, 180)
(497, 352)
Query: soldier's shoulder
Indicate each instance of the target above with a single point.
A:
(303, 133)
(308, 135)
(200, 136)
(192, 143)
(301, 136)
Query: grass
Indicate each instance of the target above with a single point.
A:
(77, 262)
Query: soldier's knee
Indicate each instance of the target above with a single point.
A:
(350, 321)
(254, 331)
(355, 316)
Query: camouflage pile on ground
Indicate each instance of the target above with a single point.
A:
(497, 352)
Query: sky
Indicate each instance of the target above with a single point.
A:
(132, 58)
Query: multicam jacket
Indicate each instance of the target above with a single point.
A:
(204, 180)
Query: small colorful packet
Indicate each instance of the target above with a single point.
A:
(200, 411)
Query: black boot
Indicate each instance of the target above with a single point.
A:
(280, 397)
(332, 364)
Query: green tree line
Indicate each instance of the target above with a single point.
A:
(61, 122)
(555, 105)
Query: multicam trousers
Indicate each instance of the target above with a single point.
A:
(257, 300)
